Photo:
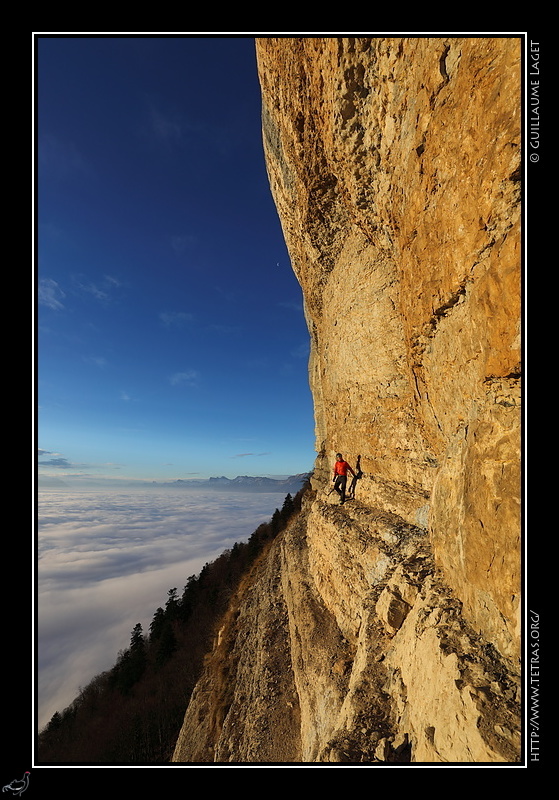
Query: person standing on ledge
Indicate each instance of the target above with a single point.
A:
(341, 468)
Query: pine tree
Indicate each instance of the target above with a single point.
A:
(55, 722)
(131, 662)
(157, 624)
(288, 507)
(276, 522)
(138, 653)
(172, 605)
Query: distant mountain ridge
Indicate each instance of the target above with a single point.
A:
(245, 483)
(242, 483)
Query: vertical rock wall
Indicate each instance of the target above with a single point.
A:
(395, 166)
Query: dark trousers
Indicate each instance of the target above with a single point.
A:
(339, 486)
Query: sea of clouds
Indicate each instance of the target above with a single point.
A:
(106, 561)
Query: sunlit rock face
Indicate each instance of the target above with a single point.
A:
(394, 164)
(389, 629)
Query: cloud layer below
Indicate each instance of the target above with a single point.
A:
(107, 560)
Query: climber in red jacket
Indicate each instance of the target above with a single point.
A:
(341, 468)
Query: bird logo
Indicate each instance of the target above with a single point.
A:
(17, 787)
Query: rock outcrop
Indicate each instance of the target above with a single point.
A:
(388, 630)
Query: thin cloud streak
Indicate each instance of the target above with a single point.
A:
(175, 319)
(188, 378)
(50, 294)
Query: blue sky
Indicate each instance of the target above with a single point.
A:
(171, 341)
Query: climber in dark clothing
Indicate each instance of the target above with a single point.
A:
(356, 477)
(341, 468)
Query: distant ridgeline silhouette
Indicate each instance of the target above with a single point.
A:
(245, 483)
(132, 714)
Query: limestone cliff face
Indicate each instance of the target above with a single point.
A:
(389, 629)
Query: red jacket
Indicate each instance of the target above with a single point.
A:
(341, 468)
